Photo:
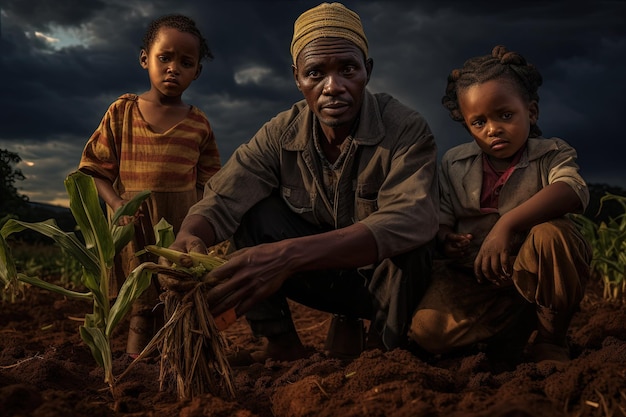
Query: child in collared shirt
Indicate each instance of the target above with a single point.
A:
(512, 260)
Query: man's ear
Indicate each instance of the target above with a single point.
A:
(143, 59)
(369, 66)
(198, 71)
(294, 69)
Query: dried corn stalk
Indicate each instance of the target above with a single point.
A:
(191, 347)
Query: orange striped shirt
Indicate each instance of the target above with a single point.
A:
(125, 149)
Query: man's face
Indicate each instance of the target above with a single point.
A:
(332, 74)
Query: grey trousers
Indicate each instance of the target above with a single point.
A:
(386, 293)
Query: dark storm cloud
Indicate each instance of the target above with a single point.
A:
(54, 95)
(581, 53)
(40, 14)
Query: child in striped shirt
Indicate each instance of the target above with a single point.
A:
(154, 141)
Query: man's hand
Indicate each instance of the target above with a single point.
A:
(186, 242)
(251, 275)
(195, 235)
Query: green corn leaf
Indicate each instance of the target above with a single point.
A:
(610, 262)
(123, 234)
(608, 241)
(164, 233)
(135, 284)
(54, 288)
(587, 226)
(89, 336)
(85, 207)
(100, 350)
(67, 241)
(90, 320)
(613, 197)
(92, 282)
(8, 272)
(131, 207)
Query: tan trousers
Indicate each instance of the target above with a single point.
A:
(550, 270)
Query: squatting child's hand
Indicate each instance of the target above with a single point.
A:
(456, 245)
(493, 260)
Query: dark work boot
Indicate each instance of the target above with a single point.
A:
(346, 337)
(551, 341)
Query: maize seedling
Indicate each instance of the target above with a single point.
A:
(95, 253)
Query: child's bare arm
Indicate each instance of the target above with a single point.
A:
(110, 197)
(493, 260)
(107, 193)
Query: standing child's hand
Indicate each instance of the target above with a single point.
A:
(493, 260)
(124, 220)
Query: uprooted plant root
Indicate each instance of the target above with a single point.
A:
(192, 349)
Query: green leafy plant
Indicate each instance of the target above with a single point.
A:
(608, 241)
(46, 260)
(100, 241)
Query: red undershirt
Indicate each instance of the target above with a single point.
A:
(493, 181)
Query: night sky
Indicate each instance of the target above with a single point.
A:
(64, 61)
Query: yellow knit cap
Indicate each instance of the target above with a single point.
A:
(328, 20)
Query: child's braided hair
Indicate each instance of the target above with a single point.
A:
(181, 23)
(500, 64)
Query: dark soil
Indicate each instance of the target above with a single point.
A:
(46, 370)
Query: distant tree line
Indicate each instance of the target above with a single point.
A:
(13, 204)
(10, 200)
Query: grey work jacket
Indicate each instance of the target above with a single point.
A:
(388, 181)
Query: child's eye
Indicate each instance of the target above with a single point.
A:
(478, 123)
(163, 58)
(507, 116)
